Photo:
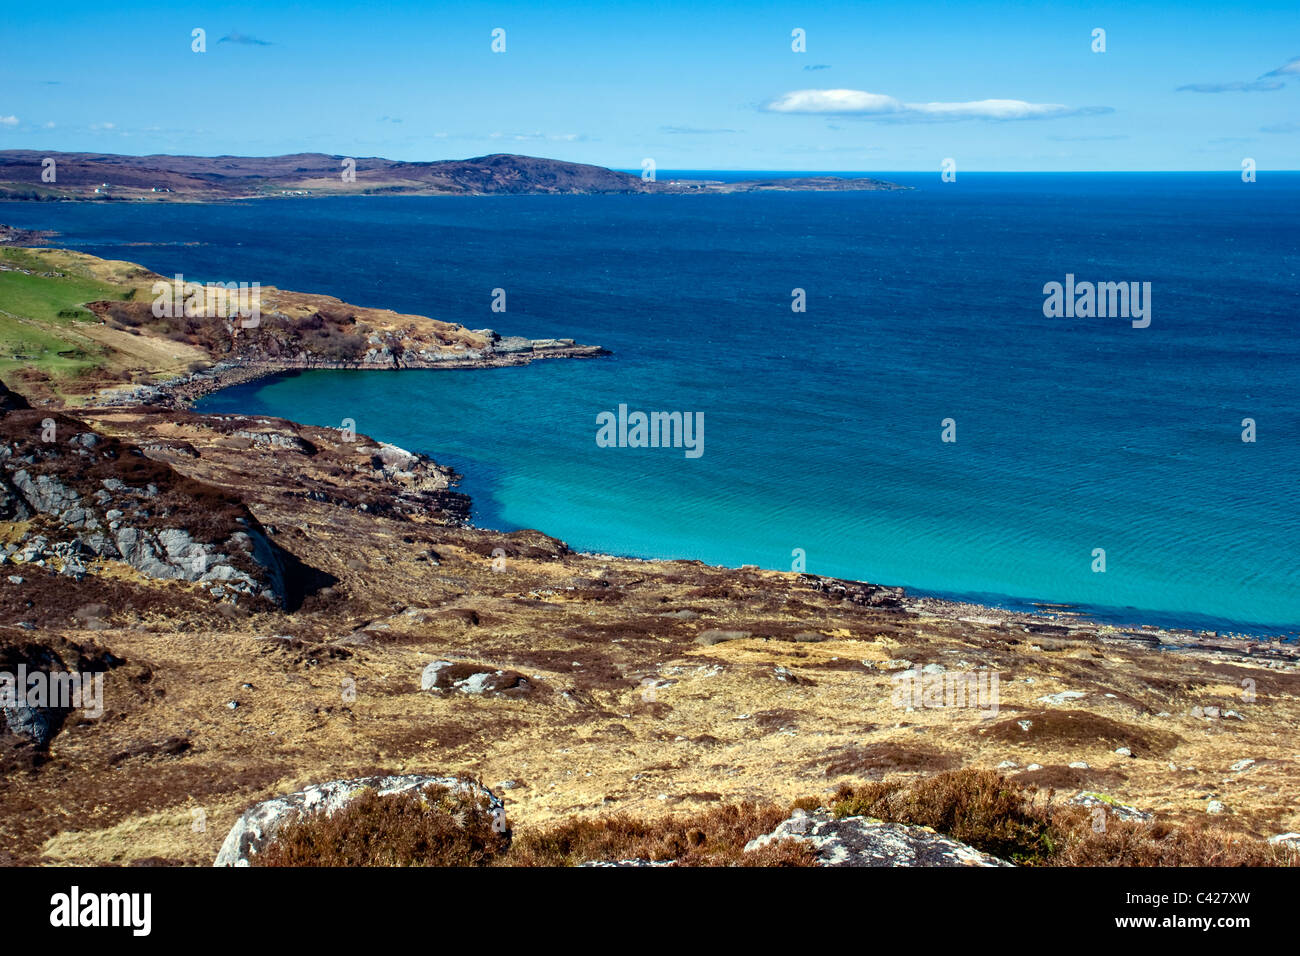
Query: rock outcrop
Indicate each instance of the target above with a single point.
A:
(467, 678)
(858, 841)
(306, 331)
(1108, 805)
(43, 680)
(855, 592)
(259, 825)
(87, 498)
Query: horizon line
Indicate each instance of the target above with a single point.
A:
(670, 169)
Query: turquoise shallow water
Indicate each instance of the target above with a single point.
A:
(823, 428)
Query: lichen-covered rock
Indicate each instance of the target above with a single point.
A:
(1088, 798)
(628, 863)
(858, 841)
(44, 493)
(468, 678)
(259, 825)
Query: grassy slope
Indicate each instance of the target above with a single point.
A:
(39, 314)
(50, 341)
(55, 350)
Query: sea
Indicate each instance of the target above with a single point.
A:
(886, 393)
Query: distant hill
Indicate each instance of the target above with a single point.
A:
(107, 177)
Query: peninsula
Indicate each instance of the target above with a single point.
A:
(76, 329)
(106, 177)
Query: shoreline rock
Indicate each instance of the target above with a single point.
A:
(184, 391)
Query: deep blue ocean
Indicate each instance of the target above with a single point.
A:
(823, 428)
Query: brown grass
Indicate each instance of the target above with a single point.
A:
(714, 837)
(444, 829)
(978, 807)
(985, 810)
(433, 828)
(1130, 843)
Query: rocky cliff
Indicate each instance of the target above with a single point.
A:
(72, 498)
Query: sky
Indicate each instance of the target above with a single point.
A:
(879, 86)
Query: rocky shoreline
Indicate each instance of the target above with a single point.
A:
(12, 236)
(183, 391)
(1052, 622)
(1046, 627)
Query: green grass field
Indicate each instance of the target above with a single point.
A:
(53, 299)
(38, 311)
(23, 345)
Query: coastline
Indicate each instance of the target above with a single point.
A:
(1049, 619)
(182, 392)
(415, 342)
(612, 683)
(928, 499)
(87, 177)
(684, 188)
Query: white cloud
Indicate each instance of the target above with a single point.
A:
(1290, 68)
(861, 103)
(695, 130)
(834, 101)
(538, 136)
(991, 109)
(1237, 86)
(8, 120)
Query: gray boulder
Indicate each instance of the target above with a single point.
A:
(859, 841)
(1121, 811)
(138, 550)
(45, 494)
(172, 554)
(512, 343)
(40, 725)
(474, 679)
(37, 719)
(714, 636)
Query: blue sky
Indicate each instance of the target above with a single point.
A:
(699, 85)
